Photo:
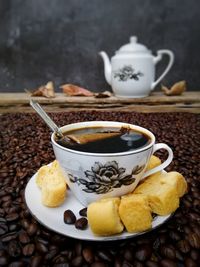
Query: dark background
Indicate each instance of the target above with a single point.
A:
(59, 40)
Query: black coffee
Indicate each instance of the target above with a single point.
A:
(105, 139)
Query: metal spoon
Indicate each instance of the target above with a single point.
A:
(65, 140)
(49, 121)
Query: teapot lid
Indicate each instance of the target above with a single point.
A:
(133, 47)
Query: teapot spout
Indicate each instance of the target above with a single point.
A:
(107, 66)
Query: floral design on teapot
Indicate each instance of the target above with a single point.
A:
(126, 73)
(103, 178)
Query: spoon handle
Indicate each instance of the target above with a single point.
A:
(45, 117)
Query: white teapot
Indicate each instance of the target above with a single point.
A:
(131, 72)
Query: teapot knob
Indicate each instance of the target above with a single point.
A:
(133, 39)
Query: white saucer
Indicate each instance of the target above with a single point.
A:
(52, 218)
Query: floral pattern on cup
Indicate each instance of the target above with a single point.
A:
(126, 73)
(103, 178)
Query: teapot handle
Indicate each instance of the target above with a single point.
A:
(158, 58)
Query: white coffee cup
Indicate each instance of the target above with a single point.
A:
(92, 176)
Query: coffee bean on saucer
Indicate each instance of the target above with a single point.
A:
(69, 217)
(83, 212)
(81, 223)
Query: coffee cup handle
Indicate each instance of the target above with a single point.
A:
(164, 164)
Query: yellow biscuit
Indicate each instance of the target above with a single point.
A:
(176, 180)
(153, 162)
(42, 172)
(53, 191)
(53, 185)
(103, 217)
(135, 213)
(163, 198)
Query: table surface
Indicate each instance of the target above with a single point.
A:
(156, 102)
(25, 147)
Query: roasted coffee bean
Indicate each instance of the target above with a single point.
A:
(81, 223)
(17, 264)
(12, 217)
(28, 249)
(3, 229)
(118, 262)
(105, 255)
(151, 263)
(183, 246)
(61, 265)
(25, 223)
(194, 217)
(41, 247)
(78, 248)
(14, 227)
(51, 254)
(32, 229)
(143, 253)
(24, 238)
(6, 198)
(59, 259)
(43, 241)
(168, 263)
(3, 192)
(174, 235)
(195, 254)
(168, 252)
(98, 264)
(128, 254)
(2, 212)
(88, 255)
(69, 217)
(190, 263)
(160, 240)
(2, 220)
(135, 263)
(9, 236)
(14, 249)
(4, 260)
(36, 261)
(68, 253)
(179, 255)
(77, 261)
(194, 240)
(83, 212)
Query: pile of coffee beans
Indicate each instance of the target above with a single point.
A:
(25, 146)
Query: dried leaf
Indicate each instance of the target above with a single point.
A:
(45, 90)
(177, 89)
(103, 94)
(74, 90)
